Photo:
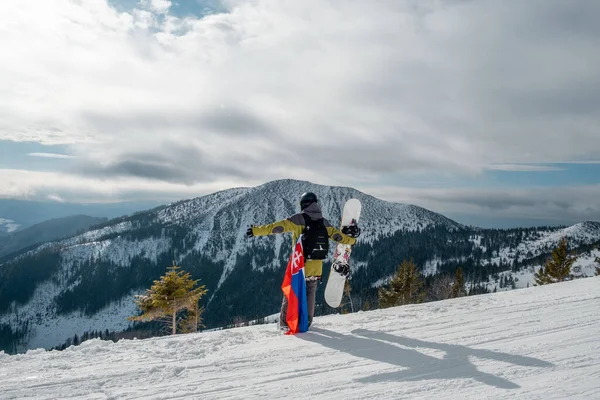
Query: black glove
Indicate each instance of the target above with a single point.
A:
(249, 233)
(351, 230)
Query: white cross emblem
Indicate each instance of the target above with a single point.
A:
(296, 260)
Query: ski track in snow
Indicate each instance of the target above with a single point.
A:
(536, 343)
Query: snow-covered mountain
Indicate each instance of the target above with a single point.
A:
(584, 266)
(53, 229)
(541, 241)
(537, 343)
(26, 213)
(60, 280)
(87, 282)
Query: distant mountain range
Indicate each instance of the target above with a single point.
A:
(20, 214)
(87, 282)
(46, 231)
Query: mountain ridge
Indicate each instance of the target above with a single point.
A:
(88, 281)
(47, 231)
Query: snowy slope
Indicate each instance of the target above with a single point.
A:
(537, 343)
(584, 266)
(543, 241)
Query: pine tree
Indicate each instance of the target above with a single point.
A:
(557, 267)
(174, 292)
(598, 266)
(542, 277)
(458, 289)
(404, 288)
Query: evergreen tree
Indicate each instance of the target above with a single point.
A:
(557, 267)
(404, 288)
(598, 266)
(174, 292)
(458, 289)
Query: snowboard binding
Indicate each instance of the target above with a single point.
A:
(342, 269)
(351, 230)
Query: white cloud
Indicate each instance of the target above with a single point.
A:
(50, 155)
(302, 89)
(56, 198)
(157, 6)
(57, 186)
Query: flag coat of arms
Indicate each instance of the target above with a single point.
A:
(294, 289)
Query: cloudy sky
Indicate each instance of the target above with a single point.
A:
(481, 110)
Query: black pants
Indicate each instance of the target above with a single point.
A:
(311, 294)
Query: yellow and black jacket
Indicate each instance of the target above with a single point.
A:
(296, 224)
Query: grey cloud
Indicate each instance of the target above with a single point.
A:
(141, 169)
(226, 121)
(234, 121)
(506, 199)
(172, 162)
(575, 203)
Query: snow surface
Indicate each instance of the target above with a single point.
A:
(536, 343)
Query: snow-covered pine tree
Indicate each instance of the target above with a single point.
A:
(174, 292)
(404, 288)
(557, 267)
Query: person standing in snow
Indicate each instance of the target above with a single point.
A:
(310, 212)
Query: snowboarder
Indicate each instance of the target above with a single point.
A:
(310, 216)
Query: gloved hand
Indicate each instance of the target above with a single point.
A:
(249, 233)
(351, 230)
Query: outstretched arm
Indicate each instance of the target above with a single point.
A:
(338, 236)
(276, 227)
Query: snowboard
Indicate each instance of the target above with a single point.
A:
(334, 290)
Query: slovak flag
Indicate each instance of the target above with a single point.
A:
(294, 289)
